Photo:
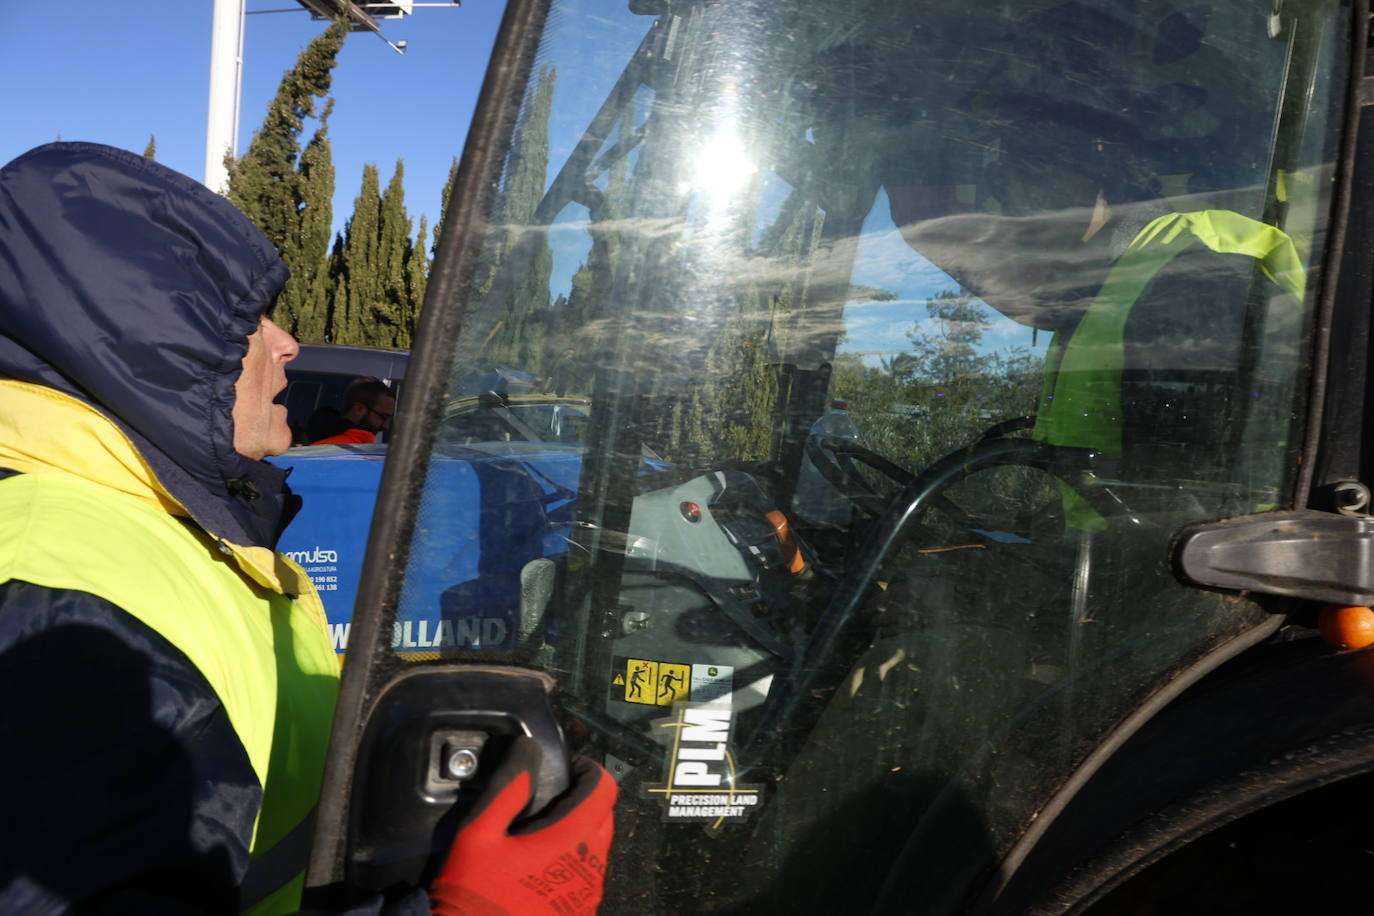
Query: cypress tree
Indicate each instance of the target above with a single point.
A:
(338, 294)
(332, 291)
(359, 265)
(304, 304)
(394, 313)
(150, 151)
(443, 203)
(380, 272)
(279, 188)
(529, 162)
(591, 285)
(417, 275)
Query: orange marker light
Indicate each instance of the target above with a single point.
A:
(795, 561)
(1349, 627)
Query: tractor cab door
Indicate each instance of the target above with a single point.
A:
(903, 339)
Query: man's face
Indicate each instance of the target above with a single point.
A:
(375, 418)
(260, 427)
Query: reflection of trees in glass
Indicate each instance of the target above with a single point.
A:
(942, 394)
(702, 343)
(944, 349)
(730, 411)
(513, 292)
(588, 300)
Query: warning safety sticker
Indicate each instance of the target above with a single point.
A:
(660, 683)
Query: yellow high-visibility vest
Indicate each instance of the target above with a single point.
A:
(1081, 402)
(267, 658)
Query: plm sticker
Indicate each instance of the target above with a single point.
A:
(658, 683)
(700, 782)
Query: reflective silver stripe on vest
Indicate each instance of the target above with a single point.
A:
(276, 867)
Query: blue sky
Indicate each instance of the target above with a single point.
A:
(116, 73)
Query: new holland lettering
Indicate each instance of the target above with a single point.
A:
(464, 633)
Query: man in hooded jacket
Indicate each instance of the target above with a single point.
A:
(167, 680)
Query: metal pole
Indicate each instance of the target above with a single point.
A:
(226, 77)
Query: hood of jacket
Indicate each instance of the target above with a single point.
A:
(134, 289)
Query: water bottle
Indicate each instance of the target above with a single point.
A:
(816, 500)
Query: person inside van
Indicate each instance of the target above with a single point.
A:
(368, 408)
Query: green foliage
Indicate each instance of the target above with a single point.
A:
(369, 289)
(858, 293)
(529, 160)
(305, 300)
(394, 322)
(150, 151)
(719, 392)
(337, 294)
(379, 271)
(417, 267)
(730, 413)
(287, 193)
(944, 349)
(443, 203)
(942, 394)
(358, 264)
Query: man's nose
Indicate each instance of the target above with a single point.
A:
(284, 345)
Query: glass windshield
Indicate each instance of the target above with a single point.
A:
(831, 384)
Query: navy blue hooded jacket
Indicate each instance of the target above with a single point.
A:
(133, 288)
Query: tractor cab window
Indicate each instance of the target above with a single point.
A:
(830, 384)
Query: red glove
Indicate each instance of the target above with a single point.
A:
(552, 863)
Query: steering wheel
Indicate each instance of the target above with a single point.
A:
(816, 663)
(838, 461)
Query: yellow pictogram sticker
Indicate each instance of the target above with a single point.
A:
(654, 683)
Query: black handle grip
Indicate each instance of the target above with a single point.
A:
(431, 740)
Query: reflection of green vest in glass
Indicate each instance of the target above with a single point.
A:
(1081, 403)
(269, 662)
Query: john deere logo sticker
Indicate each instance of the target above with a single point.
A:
(700, 782)
(712, 682)
(659, 683)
